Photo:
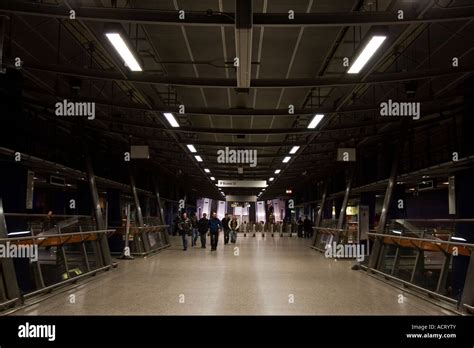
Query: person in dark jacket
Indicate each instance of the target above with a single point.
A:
(185, 229)
(202, 227)
(215, 226)
(226, 227)
(194, 223)
(300, 227)
(308, 227)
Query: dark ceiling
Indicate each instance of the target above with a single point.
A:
(190, 62)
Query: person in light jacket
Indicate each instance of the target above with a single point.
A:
(234, 225)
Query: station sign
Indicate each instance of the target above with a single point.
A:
(242, 183)
(246, 199)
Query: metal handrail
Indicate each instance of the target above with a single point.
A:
(329, 228)
(438, 220)
(156, 226)
(433, 241)
(44, 215)
(45, 236)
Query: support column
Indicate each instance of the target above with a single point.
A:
(319, 217)
(9, 289)
(342, 213)
(100, 224)
(392, 182)
(159, 205)
(136, 200)
(144, 237)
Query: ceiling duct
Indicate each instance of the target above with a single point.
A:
(243, 43)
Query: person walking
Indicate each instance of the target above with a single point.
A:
(184, 227)
(215, 226)
(234, 225)
(300, 227)
(226, 227)
(202, 227)
(195, 232)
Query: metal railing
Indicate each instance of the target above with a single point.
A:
(147, 240)
(54, 260)
(426, 255)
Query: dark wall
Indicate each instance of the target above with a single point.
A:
(428, 205)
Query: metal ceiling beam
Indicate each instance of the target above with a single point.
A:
(242, 112)
(204, 18)
(344, 80)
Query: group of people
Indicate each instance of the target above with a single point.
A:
(305, 227)
(194, 228)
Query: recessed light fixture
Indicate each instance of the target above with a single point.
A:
(277, 171)
(198, 158)
(212, 178)
(171, 120)
(207, 170)
(294, 149)
(315, 121)
(369, 50)
(123, 50)
(191, 148)
(286, 159)
(271, 179)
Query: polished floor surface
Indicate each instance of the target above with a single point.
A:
(272, 276)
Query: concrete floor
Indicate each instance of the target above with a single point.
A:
(263, 279)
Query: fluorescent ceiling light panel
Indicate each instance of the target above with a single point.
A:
(27, 232)
(198, 158)
(121, 47)
(171, 120)
(294, 149)
(315, 121)
(286, 159)
(277, 171)
(191, 148)
(207, 170)
(458, 238)
(366, 54)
